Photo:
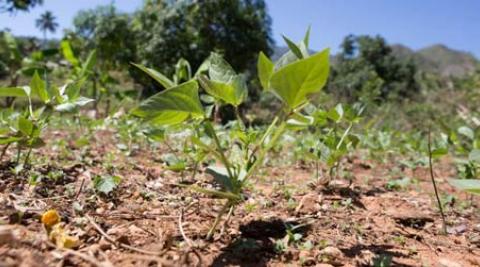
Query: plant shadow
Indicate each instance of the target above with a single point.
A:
(385, 254)
(255, 246)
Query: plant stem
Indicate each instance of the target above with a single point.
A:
(239, 118)
(18, 155)
(264, 150)
(220, 150)
(4, 151)
(28, 156)
(344, 136)
(217, 220)
(444, 224)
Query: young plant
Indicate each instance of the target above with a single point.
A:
(24, 128)
(333, 130)
(293, 78)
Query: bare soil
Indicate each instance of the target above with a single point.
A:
(150, 221)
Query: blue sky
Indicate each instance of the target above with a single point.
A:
(415, 23)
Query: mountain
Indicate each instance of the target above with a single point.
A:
(436, 58)
(439, 59)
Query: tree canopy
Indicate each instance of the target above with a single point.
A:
(18, 5)
(169, 30)
(367, 68)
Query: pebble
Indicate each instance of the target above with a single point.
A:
(448, 263)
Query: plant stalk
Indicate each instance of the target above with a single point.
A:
(27, 157)
(217, 220)
(4, 151)
(220, 150)
(444, 224)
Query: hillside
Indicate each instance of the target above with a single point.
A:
(439, 59)
(436, 58)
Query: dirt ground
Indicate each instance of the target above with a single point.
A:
(287, 220)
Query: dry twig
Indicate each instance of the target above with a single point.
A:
(111, 240)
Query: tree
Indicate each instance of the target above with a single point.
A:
(46, 23)
(18, 5)
(169, 30)
(107, 31)
(367, 68)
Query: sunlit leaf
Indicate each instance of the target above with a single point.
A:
(474, 155)
(294, 82)
(25, 126)
(265, 70)
(157, 76)
(14, 91)
(38, 87)
(173, 105)
(466, 132)
(469, 185)
(68, 53)
(106, 184)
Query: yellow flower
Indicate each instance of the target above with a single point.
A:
(61, 238)
(50, 218)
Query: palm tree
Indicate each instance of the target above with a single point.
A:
(46, 22)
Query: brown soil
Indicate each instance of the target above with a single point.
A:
(345, 224)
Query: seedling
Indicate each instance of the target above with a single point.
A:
(293, 78)
(24, 128)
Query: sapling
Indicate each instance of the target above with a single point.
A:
(293, 78)
(24, 128)
(334, 133)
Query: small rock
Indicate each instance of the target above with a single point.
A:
(474, 260)
(308, 204)
(104, 244)
(365, 258)
(330, 255)
(448, 263)
(6, 235)
(457, 229)
(331, 252)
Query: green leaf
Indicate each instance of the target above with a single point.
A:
(469, 185)
(15, 91)
(336, 113)
(72, 90)
(306, 39)
(8, 140)
(233, 92)
(38, 87)
(215, 193)
(106, 184)
(299, 121)
(474, 155)
(157, 76)
(157, 135)
(89, 63)
(25, 126)
(219, 70)
(220, 174)
(466, 132)
(172, 105)
(68, 53)
(295, 81)
(293, 47)
(265, 70)
(223, 83)
(72, 105)
(12, 47)
(438, 152)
